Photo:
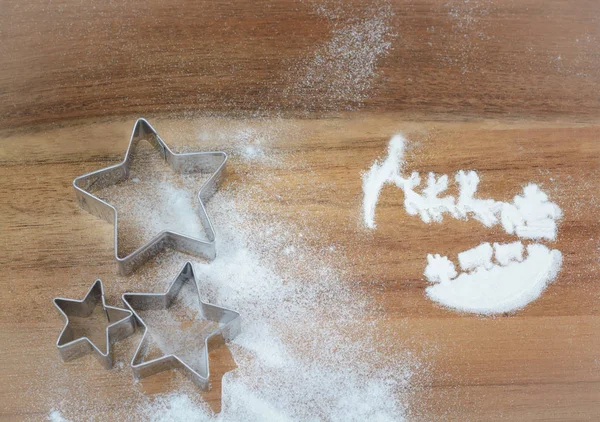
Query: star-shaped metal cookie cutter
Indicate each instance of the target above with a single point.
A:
(229, 321)
(185, 163)
(71, 348)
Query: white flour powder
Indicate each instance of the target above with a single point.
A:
(484, 286)
(55, 416)
(380, 174)
(480, 256)
(311, 345)
(507, 252)
(530, 215)
(497, 288)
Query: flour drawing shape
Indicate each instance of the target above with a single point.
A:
(492, 279)
(493, 287)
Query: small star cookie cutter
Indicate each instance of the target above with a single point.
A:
(71, 348)
(229, 321)
(185, 163)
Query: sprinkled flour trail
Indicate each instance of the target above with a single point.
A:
(297, 339)
(484, 286)
(310, 346)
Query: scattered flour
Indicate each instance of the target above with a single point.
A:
(339, 72)
(311, 345)
(177, 408)
(529, 215)
(499, 288)
(298, 338)
(341, 397)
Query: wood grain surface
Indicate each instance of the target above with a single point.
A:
(509, 89)
(66, 59)
(540, 363)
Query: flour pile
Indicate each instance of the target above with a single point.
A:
(484, 286)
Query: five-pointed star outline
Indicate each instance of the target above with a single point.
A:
(184, 163)
(122, 326)
(229, 321)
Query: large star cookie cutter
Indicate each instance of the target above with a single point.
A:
(229, 326)
(185, 163)
(123, 325)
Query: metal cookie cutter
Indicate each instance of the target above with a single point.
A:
(229, 320)
(123, 326)
(194, 162)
